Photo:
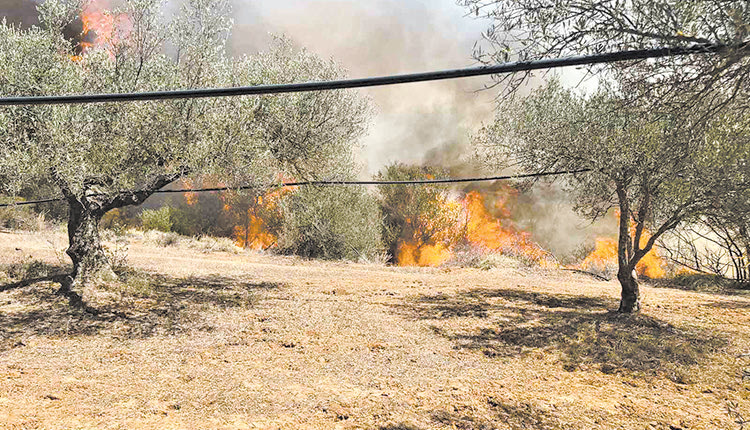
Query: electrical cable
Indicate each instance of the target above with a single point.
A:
(516, 66)
(331, 183)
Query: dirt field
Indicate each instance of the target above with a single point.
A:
(236, 341)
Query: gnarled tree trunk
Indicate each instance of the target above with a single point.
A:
(85, 247)
(630, 299)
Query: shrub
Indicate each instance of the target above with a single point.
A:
(114, 220)
(163, 239)
(21, 217)
(418, 215)
(213, 244)
(331, 223)
(157, 219)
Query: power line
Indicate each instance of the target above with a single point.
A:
(516, 66)
(331, 183)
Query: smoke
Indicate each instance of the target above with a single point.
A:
(19, 12)
(381, 37)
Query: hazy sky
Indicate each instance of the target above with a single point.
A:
(381, 37)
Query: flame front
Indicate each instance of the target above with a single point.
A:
(478, 228)
(604, 257)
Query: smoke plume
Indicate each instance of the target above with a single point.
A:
(381, 37)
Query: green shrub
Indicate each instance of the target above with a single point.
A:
(331, 223)
(157, 219)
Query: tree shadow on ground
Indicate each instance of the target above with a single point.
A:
(726, 304)
(144, 305)
(512, 323)
(512, 414)
(464, 417)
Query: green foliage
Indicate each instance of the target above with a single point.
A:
(116, 146)
(157, 219)
(331, 223)
(523, 29)
(419, 214)
(655, 167)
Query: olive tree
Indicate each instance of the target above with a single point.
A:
(532, 29)
(719, 241)
(653, 168)
(110, 155)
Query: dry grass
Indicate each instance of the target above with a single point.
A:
(225, 340)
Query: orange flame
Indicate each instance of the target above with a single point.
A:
(604, 257)
(101, 27)
(481, 230)
(410, 254)
(191, 198)
(484, 230)
(254, 232)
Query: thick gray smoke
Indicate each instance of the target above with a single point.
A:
(381, 37)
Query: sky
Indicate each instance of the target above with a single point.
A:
(382, 37)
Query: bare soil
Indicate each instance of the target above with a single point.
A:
(235, 341)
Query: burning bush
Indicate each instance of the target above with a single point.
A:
(257, 217)
(331, 223)
(420, 222)
(430, 225)
(602, 260)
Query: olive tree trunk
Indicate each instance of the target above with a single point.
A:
(630, 297)
(85, 246)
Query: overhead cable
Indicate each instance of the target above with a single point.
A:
(516, 66)
(331, 183)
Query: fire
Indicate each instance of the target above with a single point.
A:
(256, 214)
(432, 236)
(101, 28)
(499, 234)
(410, 254)
(604, 258)
(477, 227)
(191, 198)
(253, 235)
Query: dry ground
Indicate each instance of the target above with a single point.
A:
(221, 340)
